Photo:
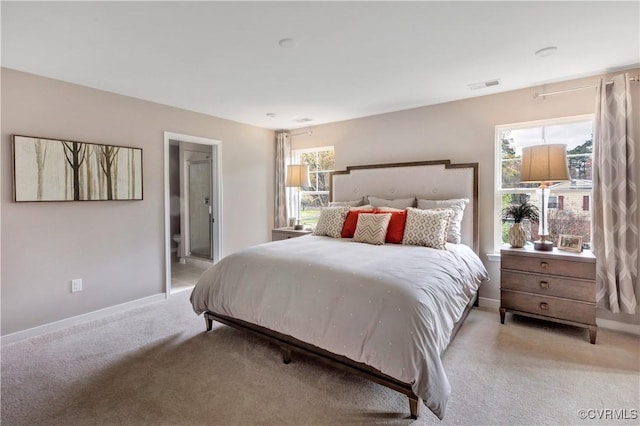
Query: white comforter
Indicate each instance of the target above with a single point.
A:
(392, 307)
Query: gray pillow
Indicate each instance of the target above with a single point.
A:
(398, 203)
(352, 203)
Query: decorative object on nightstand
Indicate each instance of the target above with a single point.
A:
(286, 233)
(554, 286)
(570, 243)
(519, 212)
(544, 164)
(297, 177)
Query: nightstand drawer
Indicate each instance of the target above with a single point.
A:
(581, 312)
(548, 285)
(586, 270)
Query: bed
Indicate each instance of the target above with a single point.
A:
(385, 312)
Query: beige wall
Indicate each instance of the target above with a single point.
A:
(462, 131)
(117, 248)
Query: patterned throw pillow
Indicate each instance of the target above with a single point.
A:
(457, 205)
(350, 223)
(331, 221)
(427, 227)
(372, 228)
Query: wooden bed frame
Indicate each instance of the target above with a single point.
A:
(289, 344)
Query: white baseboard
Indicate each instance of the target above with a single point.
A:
(492, 304)
(79, 319)
(619, 326)
(624, 327)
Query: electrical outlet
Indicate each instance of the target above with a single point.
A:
(76, 285)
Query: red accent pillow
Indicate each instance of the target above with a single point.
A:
(395, 230)
(349, 227)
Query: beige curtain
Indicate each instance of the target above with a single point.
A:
(615, 198)
(283, 154)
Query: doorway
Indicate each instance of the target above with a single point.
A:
(201, 220)
(192, 208)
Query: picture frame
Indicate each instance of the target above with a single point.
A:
(571, 243)
(47, 169)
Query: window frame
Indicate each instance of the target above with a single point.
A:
(497, 185)
(295, 159)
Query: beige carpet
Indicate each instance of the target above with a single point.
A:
(155, 365)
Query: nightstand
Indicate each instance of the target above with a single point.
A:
(286, 233)
(556, 286)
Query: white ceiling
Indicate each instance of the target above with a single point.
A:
(353, 59)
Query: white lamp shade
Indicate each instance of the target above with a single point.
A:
(297, 175)
(544, 163)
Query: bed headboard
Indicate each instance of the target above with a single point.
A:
(435, 180)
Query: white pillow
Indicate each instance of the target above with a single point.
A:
(427, 227)
(398, 203)
(331, 221)
(372, 228)
(388, 209)
(352, 203)
(457, 205)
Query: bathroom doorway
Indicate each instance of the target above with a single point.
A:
(192, 208)
(201, 218)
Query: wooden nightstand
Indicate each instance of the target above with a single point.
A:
(556, 286)
(285, 233)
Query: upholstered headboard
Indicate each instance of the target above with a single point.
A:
(435, 180)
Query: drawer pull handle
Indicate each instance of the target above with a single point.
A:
(544, 284)
(544, 265)
(544, 306)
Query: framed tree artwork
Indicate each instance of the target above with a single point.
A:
(62, 170)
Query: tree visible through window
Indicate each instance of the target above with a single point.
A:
(316, 196)
(567, 214)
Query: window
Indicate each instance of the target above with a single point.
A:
(567, 212)
(316, 196)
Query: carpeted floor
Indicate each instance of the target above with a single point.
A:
(155, 365)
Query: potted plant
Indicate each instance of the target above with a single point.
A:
(519, 212)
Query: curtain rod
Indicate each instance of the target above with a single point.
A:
(593, 86)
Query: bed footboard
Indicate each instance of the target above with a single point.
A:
(289, 345)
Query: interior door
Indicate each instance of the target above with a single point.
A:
(200, 209)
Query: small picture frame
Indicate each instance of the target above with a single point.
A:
(570, 243)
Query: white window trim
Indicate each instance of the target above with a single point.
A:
(497, 172)
(295, 159)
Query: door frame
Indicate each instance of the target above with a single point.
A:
(216, 187)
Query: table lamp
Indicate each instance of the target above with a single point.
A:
(544, 164)
(297, 177)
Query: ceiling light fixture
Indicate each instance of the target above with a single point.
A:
(288, 43)
(271, 114)
(546, 51)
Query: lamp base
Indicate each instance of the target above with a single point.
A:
(298, 227)
(543, 245)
